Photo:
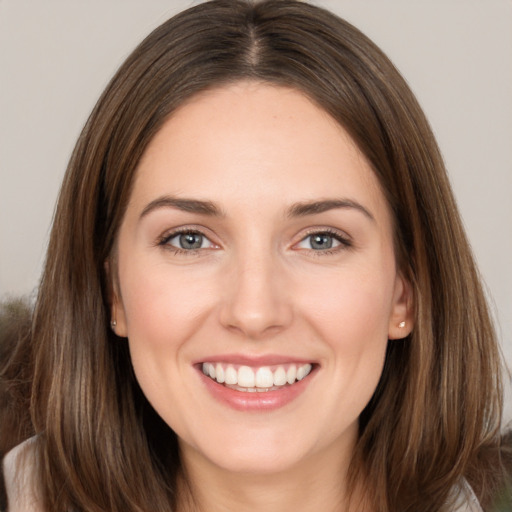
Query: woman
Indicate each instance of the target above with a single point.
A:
(258, 293)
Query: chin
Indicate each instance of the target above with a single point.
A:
(253, 452)
(257, 462)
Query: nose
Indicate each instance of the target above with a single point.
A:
(256, 299)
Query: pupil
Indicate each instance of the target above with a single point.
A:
(321, 242)
(191, 241)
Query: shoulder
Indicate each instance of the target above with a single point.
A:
(20, 478)
(464, 499)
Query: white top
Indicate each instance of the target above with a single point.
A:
(466, 499)
(23, 497)
(19, 479)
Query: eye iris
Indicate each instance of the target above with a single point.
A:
(191, 241)
(321, 241)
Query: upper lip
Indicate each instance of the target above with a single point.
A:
(253, 360)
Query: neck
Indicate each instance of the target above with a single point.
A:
(318, 483)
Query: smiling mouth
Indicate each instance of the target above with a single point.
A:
(260, 379)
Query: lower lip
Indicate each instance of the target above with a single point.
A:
(256, 401)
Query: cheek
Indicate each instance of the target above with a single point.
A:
(157, 299)
(163, 310)
(352, 318)
(351, 305)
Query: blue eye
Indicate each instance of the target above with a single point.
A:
(187, 241)
(323, 241)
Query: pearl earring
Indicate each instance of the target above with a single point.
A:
(401, 325)
(113, 325)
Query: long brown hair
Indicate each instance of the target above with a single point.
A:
(438, 403)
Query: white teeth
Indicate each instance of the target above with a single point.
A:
(279, 377)
(219, 371)
(231, 376)
(262, 379)
(246, 377)
(209, 370)
(291, 374)
(302, 371)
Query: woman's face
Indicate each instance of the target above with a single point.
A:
(257, 248)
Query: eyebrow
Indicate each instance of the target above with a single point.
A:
(209, 208)
(316, 207)
(183, 204)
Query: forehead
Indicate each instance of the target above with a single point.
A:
(247, 140)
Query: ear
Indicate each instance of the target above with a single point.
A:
(117, 313)
(401, 319)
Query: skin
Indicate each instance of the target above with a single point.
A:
(257, 286)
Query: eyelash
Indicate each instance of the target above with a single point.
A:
(345, 242)
(164, 241)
